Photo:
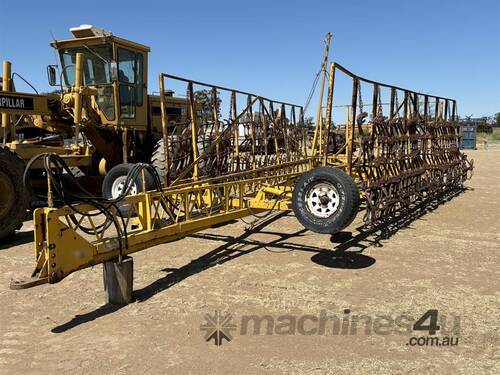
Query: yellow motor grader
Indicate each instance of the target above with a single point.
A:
(96, 119)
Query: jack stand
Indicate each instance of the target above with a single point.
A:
(118, 281)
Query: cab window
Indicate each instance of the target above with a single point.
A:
(96, 72)
(130, 68)
(95, 64)
(126, 66)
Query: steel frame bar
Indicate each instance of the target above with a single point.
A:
(61, 247)
(403, 158)
(240, 142)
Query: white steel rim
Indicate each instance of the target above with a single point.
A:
(322, 200)
(119, 185)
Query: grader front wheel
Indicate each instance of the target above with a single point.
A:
(14, 198)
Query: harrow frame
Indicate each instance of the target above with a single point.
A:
(248, 164)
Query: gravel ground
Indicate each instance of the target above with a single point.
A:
(367, 299)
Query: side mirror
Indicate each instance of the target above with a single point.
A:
(52, 75)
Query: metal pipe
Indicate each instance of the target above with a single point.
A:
(263, 120)
(164, 126)
(381, 84)
(350, 142)
(328, 117)
(394, 94)
(304, 130)
(416, 105)
(275, 133)
(426, 108)
(252, 128)
(375, 101)
(198, 83)
(284, 128)
(194, 130)
(406, 106)
(5, 87)
(236, 129)
(215, 112)
(319, 114)
(77, 93)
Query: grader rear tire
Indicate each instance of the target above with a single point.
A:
(14, 198)
(158, 159)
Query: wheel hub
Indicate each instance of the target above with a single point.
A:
(119, 186)
(322, 199)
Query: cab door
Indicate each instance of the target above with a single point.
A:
(131, 88)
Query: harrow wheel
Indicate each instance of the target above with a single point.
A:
(14, 198)
(325, 200)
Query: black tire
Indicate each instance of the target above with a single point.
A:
(119, 172)
(158, 159)
(330, 214)
(178, 160)
(14, 197)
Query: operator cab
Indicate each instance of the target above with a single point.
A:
(115, 67)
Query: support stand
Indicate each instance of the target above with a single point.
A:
(118, 281)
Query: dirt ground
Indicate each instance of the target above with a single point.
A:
(447, 259)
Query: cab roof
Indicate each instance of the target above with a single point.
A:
(91, 35)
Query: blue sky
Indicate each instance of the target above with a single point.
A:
(274, 48)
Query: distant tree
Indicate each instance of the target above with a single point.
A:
(497, 119)
(309, 122)
(204, 99)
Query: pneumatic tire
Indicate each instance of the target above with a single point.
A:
(14, 196)
(114, 181)
(158, 159)
(114, 184)
(325, 200)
